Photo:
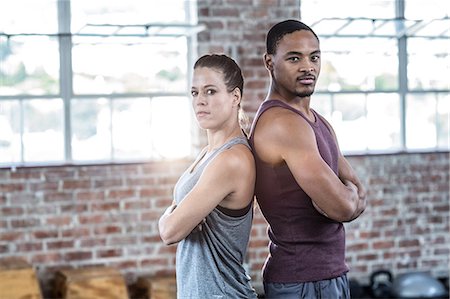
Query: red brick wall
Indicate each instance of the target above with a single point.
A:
(73, 216)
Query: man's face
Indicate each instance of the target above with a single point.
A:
(296, 64)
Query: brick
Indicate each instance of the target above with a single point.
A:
(258, 243)
(106, 183)
(74, 208)
(125, 264)
(76, 184)
(56, 196)
(106, 253)
(75, 232)
(357, 247)
(11, 211)
(43, 186)
(122, 240)
(12, 187)
(11, 236)
(56, 174)
(60, 244)
(29, 246)
(367, 257)
(409, 243)
(45, 234)
(121, 194)
(78, 256)
(151, 215)
(92, 219)
(107, 229)
(90, 195)
(24, 223)
(23, 174)
(59, 220)
(108, 206)
(93, 242)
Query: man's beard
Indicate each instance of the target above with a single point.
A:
(305, 94)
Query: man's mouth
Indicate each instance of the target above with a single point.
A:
(307, 80)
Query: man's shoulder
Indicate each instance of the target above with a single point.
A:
(280, 119)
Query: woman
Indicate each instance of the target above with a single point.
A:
(212, 212)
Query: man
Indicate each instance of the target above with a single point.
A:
(304, 186)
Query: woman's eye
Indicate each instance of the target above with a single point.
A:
(194, 93)
(210, 92)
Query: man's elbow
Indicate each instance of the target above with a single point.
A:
(343, 214)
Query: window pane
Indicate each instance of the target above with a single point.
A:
(443, 121)
(125, 12)
(120, 65)
(426, 9)
(171, 127)
(428, 63)
(10, 142)
(311, 10)
(383, 121)
(91, 129)
(29, 65)
(344, 59)
(28, 16)
(43, 136)
(131, 128)
(349, 121)
(421, 121)
(322, 103)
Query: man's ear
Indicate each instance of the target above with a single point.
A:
(268, 62)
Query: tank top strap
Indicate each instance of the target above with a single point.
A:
(266, 105)
(227, 145)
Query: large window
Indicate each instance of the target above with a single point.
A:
(97, 81)
(385, 67)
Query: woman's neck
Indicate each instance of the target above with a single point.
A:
(217, 138)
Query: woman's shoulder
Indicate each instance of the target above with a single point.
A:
(236, 158)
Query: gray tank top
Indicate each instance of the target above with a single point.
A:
(209, 262)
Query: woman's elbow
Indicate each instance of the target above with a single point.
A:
(167, 235)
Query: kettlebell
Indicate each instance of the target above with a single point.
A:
(381, 283)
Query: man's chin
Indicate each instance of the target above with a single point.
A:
(305, 94)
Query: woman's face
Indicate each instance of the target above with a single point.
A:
(213, 105)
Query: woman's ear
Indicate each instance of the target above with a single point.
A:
(236, 96)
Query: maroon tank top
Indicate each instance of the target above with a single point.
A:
(304, 245)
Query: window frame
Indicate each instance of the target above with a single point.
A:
(407, 29)
(64, 35)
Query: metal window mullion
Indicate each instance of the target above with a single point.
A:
(111, 127)
(402, 69)
(65, 71)
(436, 119)
(366, 111)
(22, 130)
(192, 54)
